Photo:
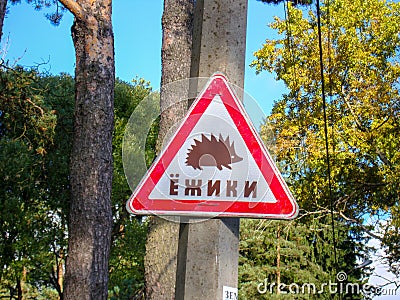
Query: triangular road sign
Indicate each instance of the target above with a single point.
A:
(214, 165)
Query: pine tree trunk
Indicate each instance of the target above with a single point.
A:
(177, 26)
(90, 221)
(3, 8)
(162, 241)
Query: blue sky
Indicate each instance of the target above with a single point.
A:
(137, 28)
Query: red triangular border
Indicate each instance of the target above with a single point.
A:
(285, 207)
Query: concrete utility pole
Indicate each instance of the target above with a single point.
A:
(208, 251)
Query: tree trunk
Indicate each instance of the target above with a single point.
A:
(177, 25)
(19, 289)
(3, 8)
(90, 221)
(162, 241)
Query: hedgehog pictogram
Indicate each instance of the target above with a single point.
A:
(212, 152)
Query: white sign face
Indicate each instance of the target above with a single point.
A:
(230, 293)
(214, 164)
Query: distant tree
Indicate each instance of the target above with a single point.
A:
(126, 265)
(58, 94)
(35, 189)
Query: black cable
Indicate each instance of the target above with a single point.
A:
(328, 163)
(288, 31)
(290, 42)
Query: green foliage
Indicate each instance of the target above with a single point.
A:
(275, 252)
(127, 97)
(297, 252)
(129, 234)
(127, 260)
(140, 139)
(33, 232)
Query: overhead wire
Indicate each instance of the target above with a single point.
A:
(324, 102)
(324, 107)
(292, 66)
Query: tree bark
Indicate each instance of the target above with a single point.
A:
(3, 9)
(162, 241)
(177, 26)
(90, 220)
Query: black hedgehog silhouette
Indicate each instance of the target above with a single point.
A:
(212, 152)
